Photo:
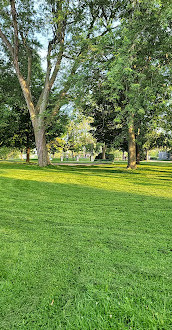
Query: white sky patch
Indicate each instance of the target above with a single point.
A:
(43, 55)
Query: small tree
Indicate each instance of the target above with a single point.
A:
(78, 135)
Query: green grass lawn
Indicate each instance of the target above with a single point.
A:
(85, 247)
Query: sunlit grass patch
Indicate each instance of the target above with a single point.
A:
(146, 180)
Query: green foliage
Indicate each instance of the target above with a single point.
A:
(58, 144)
(16, 128)
(57, 126)
(156, 139)
(6, 152)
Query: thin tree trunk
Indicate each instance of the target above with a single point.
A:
(21, 152)
(147, 155)
(131, 145)
(138, 147)
(27, 155)
(137, 154)
(104, 151)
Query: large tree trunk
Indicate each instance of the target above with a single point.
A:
(37, 118)
(41, 147)
(104, 151)
(131, 145)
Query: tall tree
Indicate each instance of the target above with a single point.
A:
(134, 61)
(67, 26)
(140, 68)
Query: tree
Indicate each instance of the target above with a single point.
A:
(157, 139)
(139, 71)
(17, 131)
(133, 59)
(70, 27)
(104, 127)
(56, 131)
(91, 100)
(78, 137)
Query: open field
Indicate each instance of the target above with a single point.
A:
(85, 247)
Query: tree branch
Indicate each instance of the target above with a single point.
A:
(49, 82)
(57, 65)
(16, 39)
(68, 57)
(7, 43)
(29, 70)
(29, 54)
(73, 70)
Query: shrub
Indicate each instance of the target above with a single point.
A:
(109, 157)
